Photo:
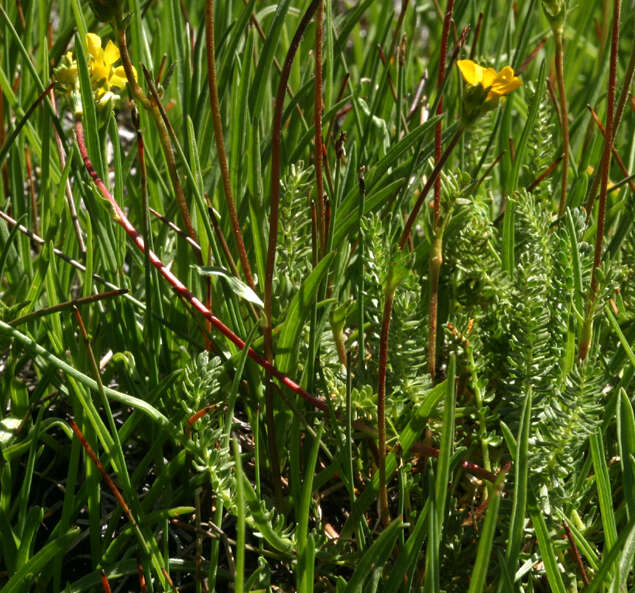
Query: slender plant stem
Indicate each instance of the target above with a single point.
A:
(256, 23)
(68, 190)
(477, 34)
(220, 143)
(276, 151)
(626, 91)
(146, 230)
(559, 39)
(436, 255)
(478, 398)
(93, 298)
(361, 311)
(587, 329)
(616, 155)
(439, 127)
(317, 122)
(164, 135)
(178, 286)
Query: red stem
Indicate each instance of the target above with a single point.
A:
(608, 141)
(178, 286)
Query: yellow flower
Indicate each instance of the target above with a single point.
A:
(103, 74)
(496, 83)
(485, 88)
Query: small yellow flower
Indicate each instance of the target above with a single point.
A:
(485, 88)
(103, 74)
(496, 83)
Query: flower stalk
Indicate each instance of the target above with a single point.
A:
(485, 89)
(164, 136)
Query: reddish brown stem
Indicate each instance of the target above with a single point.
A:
(220, 142)
(428, 451)
(587, 330)
(93, 298)
(160, 118)
(221, 238)
(477, 34)
(178, 286)
(276, 149)
(68, 190)
(608, 141)
(143, 588)
(576, 554)
(488, 170)
(619, 111)
(436, 260)
(263, 37)
(531, 56)
(104, 582)
(179, 231)
(544, 174)
(102, 470)
(616, 154)
(274, 213)
(31, 182)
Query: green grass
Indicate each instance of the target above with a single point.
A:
(144, 447)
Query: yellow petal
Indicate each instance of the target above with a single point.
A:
(489, 76)
(111, 53)
(98, 72)
(506, 82)
(93, 43)
(472, 73)
(118, 77)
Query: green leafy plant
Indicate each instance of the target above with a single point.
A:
(316, 296)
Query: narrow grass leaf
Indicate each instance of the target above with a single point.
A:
(485, 543)
(603, 485)
(547, 553)
(40, 561)
(626, 441)
(374, 557)
(297, 314)
(261, 78)
(521, 476)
